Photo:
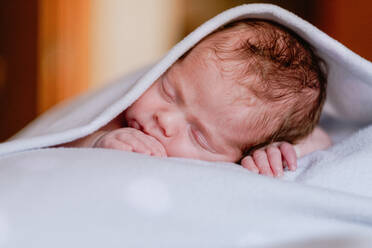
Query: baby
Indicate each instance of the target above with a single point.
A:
(244, 94)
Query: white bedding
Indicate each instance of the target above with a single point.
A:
(106, 198)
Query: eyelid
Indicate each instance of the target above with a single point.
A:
(166, 90)
(201, 140)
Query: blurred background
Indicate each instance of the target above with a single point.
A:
(51, 50)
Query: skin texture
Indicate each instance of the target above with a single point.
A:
(188, 113)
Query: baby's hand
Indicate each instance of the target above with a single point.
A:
(271, 160)
(133, 140)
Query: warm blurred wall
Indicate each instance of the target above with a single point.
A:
(18, 64)
(64, 61)
(127, 35)
(87, 43)
(349, 22)
(197, 12)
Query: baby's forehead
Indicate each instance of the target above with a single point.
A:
(211, 80)
(205, 68)
(227, 109)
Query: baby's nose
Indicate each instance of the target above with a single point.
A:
(169, 122)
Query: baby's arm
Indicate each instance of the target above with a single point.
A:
(317, 140)
(271, 160)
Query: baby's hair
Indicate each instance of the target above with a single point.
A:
(288, 78)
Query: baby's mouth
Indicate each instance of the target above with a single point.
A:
(134, 124)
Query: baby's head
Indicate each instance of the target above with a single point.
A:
(246, 85)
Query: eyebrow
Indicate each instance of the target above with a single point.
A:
(206, 132)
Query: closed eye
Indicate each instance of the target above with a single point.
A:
(167, 90)
(200, 139)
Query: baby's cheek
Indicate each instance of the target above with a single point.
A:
(186, 149)
(181, 148)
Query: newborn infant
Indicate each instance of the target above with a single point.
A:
(244, 94)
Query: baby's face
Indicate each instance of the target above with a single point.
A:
(190, 110)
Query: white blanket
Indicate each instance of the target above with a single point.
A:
(105, 198)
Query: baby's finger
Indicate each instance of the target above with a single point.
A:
(115, 144)
(289, 155)
(137, 145)
(261, 161)
(156, 148)
(141, 148)
(248, 163)
(153, 146)
(275, 160)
